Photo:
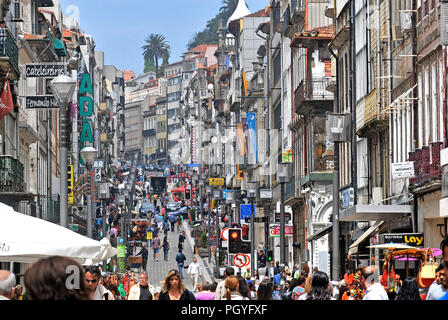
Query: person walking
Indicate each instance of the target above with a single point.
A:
(156, 247)
(438, 288)
(142, 290)
(231, 285)
(204, 292)
(409, 290)
(7, 283)
(172, 220)
(181, 240)
(374, 290)
(265, 290)
(178, 223)
(220, 292)
(166, 247)
(320, 288)
(174, 288)
(48, 279)
(194, 270)
(180, 259)
(166, 227)
(144, 253)
(96, 290)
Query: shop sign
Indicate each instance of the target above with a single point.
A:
(216, 182)
(411, 239)
(402, 170)
(287, 156)
(86, 109)
(122, 253)
(274, 230)
(41, 102)
(46, 70)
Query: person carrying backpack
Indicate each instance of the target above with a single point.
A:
(180, 259)
(166, 228)
(172, 220)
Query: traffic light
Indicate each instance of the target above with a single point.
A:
(270, 255)
(236, 244)
(240, 175)
(71, 184)
(187, 194)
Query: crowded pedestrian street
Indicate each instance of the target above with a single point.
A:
(223, 150)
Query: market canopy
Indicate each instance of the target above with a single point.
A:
(27, 239)
(391, 246)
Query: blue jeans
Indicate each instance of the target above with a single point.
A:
(165, 253)
(181, 266)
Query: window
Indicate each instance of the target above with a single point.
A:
(277, 67)
(175, 96)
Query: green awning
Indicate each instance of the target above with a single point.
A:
(59, 47)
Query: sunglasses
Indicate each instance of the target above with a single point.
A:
(91, 281)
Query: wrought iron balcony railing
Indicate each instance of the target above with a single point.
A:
(9, 48)
(11, 175)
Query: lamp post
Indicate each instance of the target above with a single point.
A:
(209, 191)
(88, 155)
(252, 194)
(63, 88)
(282, 177)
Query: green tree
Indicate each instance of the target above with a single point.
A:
(155, 47)
(209, 34)
(165, 62)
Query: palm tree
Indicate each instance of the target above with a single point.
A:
(228, 7)
(155, 48)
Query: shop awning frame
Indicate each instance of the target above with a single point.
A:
(354, 247)
(320, 234)
(375, 212)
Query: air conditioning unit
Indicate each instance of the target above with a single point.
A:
(17, 14)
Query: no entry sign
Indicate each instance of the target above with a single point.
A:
(225, 234)
(241, 260)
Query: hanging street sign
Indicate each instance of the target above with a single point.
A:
(44, 70)
(216, 182)
(41, 102)
(274, 230)
(265, 194)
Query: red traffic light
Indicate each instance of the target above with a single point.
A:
(234, 235)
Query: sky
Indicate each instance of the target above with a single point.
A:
(119, 27)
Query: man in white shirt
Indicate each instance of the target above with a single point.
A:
(194, 270)
(374, 290)
(7, 284)
(438, 288)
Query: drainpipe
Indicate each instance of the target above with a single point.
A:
(354, 146)
(389, 99)
(336, 266)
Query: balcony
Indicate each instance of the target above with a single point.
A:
(149, 132)
(292, 195)
(288, 26)
(9, 54)
(11, 171)
(425, 170)
(313, 96)
(297, 11)
(370, 118)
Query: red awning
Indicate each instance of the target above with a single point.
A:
(182, 189)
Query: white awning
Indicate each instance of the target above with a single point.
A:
(354, 247)
(374, 212)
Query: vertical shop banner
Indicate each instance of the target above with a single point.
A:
(6, 102)
(252, 124)
(241, 139)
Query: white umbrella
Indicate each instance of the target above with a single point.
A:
(27, 239)
(391, 246)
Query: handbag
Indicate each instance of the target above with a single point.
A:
(427, 272)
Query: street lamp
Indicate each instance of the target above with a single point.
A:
(252, 194)
(209, 192)
(63, 88)
(88, 156)
(282, 177)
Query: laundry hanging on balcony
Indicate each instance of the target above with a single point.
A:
(6, 103)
